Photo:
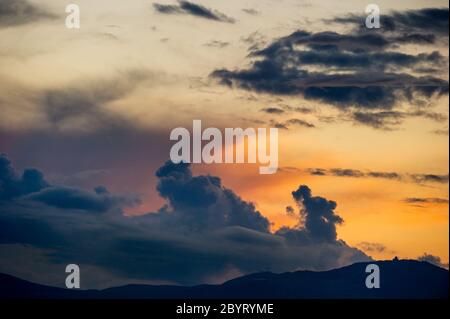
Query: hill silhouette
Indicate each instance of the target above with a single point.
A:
(405, 279)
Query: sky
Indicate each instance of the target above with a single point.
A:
(86, 116)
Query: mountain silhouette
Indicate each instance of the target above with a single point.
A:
(405, 279)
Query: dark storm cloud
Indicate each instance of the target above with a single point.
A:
(204, 231)
(355, 173)
(356, 71)
(12, 185)
(186, 7)
(79, 105)
(413, 25)
(202, 202)
(100, 200)
(318, 215)
(32, 186)
(19, 12)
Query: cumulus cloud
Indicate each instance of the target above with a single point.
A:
(31, 185)
(190, 8)
(217, 44)
(19, 12)
(202, 232)
(318, 218)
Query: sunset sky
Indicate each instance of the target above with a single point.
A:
(362, 117)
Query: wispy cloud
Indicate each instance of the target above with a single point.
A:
(20, 12)
(356, 173)
(190, 8)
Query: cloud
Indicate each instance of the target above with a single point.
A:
(420, 200)
(79, 105)
(12, 185)
(388, 120)
(20, 12)
(355, 173)
(167, 9)
(256, 41)
(100, 200)
(85, 102)
(346, 172)
(424, 178)
(360, 72)
(202, 232)
(273, 110)
(435, 260)
(318, 218)
(298, 109)
(251, 11)
(290, 211)
(441, 131)
(217, 44)
(288, 124)
(299, 122)
(32, 186)
(422, 25)
(202, 201)
(186, 7)
(279, 125)
(372, 247)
